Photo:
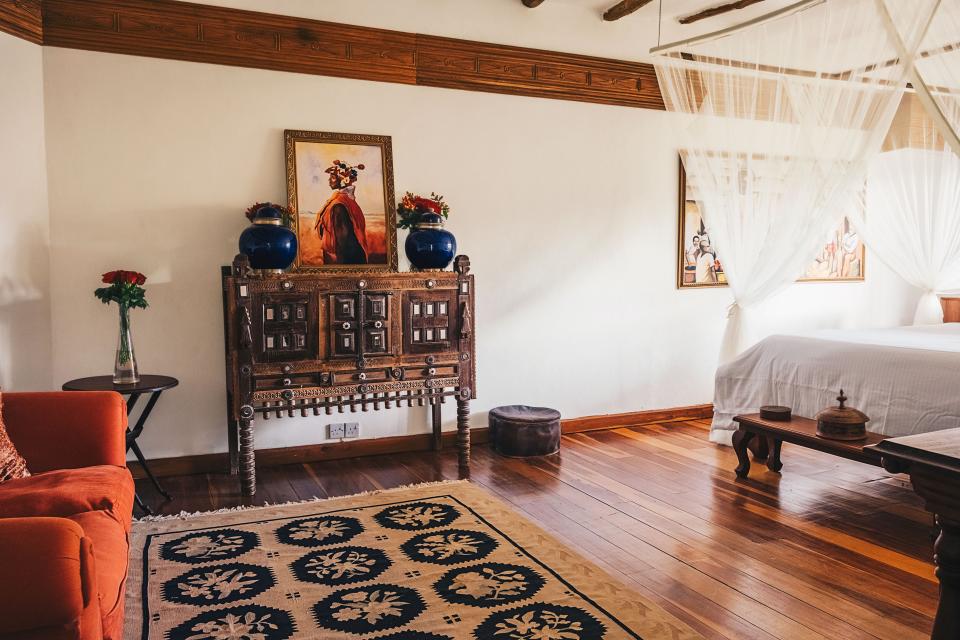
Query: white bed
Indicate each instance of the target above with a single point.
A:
(906, 379)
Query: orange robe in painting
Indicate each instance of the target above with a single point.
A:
(324, 225)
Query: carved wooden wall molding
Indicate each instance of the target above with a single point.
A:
(219, 35)
(22, 18)
(476, 66)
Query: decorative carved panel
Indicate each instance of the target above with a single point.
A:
(330, 327)
(284, 323)
(430, 321)
(476, 66)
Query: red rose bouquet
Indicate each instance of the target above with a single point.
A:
(125, 288)
(411, 209)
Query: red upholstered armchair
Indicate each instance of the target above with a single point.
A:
(64, 530)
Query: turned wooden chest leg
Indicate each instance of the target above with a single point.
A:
(437, 426)
(741, 440)
(248, 466)
(463, 436)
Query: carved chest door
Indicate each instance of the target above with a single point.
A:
(284, 325)
(429, 321)
(360, 324)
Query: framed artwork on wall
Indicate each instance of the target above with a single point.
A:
(698, 265)
(340, 190)
(842, 258)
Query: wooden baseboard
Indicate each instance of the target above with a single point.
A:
(613, 420)
(217, 462)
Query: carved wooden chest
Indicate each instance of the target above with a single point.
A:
(314, 343)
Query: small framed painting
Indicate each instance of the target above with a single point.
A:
(340, 190)
(698, 265)
(842, 258)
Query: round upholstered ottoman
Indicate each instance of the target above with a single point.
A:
(519, 431)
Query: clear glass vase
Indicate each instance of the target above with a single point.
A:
(125, 365)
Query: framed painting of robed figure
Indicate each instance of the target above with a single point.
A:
(340, 190)
(698, 265)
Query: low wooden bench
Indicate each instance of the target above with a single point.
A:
(799, 431)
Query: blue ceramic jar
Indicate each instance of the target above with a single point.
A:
(270, 245)
(429, 246)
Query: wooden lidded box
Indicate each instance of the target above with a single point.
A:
(842, 422)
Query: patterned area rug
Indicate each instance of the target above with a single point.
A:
(434, 562)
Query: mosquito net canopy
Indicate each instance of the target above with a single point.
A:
(781, 118)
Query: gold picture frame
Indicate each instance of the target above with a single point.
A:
(364, 237)
(688, 215)
(834, 267)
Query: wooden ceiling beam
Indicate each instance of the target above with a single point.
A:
(22, 19)
(299, 45)
(533, 4)
(716, 11)
(624, 8)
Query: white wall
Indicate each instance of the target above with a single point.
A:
(567, 210)
(25, 361)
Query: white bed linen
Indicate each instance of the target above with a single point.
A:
(906, 379)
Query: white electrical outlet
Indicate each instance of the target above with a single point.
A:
(351, 430)
(335, 430)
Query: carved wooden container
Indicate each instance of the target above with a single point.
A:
(312, 343)
(842, 422)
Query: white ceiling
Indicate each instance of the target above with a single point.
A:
(669, 11)
(678, 8)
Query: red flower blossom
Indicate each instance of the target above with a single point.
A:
(124, 277)
(411, 209)
(125, 288)
(425, 204)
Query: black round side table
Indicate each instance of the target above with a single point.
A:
(154, 385)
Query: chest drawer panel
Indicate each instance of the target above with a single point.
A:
(344, 307)
(429, 321)
(344, 343)
(378, 307)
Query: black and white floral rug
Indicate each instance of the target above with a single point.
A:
(434, 562)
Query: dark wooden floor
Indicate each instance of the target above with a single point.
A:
(828, 549)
